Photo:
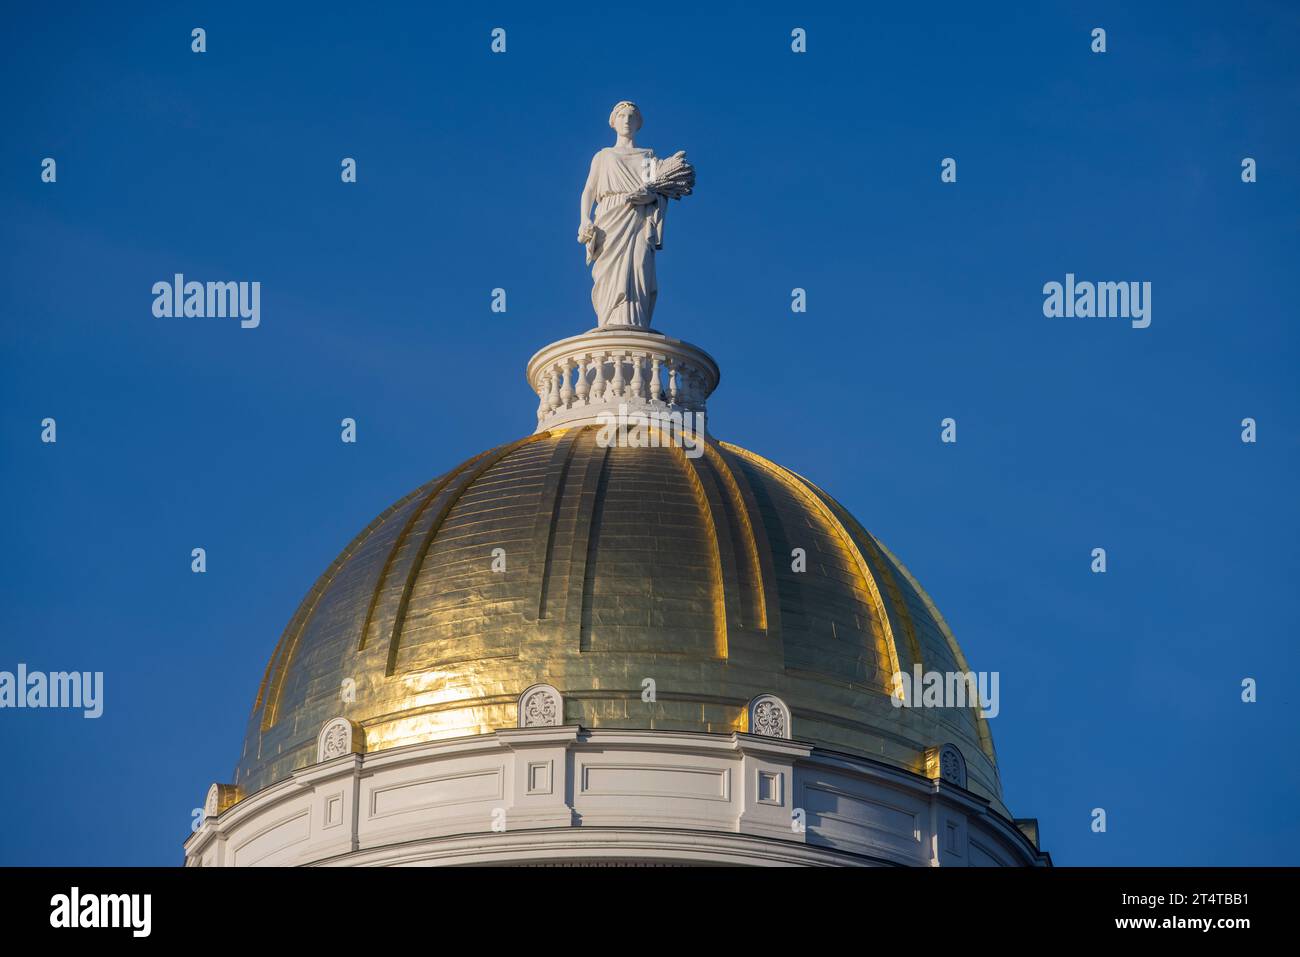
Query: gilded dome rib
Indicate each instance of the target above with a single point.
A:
(885, 635)
(594, 515)
(755, 610)
(548, 517)
(706, 493)
(451, 494)
(652, 563)
(580, 557)
(382, 578)
(282, 657)
(880, 567)
(768, 596)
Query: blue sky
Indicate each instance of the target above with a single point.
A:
(819, 171)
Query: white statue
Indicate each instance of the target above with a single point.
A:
(630, 189)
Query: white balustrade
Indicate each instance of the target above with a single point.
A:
(577, 380)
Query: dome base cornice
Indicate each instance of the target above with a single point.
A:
(569, 794)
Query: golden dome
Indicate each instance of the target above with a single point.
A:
(620, 564)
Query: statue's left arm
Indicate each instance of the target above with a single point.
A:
(674, 179)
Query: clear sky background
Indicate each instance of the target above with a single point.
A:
(821, 171)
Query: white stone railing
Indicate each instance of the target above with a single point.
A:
(579, 379)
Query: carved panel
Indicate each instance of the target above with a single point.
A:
(338, 737)
(541, 706)
(946, 763)
(769, 717)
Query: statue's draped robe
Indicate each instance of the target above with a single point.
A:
(622, 253)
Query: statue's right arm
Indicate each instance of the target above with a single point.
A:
(588, 198)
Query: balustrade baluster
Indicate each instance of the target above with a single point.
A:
(598, 384)
(619, 383)
(584, 387)
(656, 388)
(638, 381)
(566, 390)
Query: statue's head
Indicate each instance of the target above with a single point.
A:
(625, 118)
